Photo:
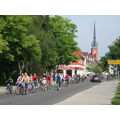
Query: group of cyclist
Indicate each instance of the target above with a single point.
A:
(27, 83)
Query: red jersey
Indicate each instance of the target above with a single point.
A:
(67, 76)
(34, 78)
(48, 78)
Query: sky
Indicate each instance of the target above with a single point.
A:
(107, 30)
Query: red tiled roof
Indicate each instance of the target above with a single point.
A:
(70, 68)
(66, 68)
(83, 54)
(77, 63)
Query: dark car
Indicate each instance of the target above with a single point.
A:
(95, 78)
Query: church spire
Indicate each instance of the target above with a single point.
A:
(94, 34)
(94, 43)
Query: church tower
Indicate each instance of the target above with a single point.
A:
(94, 49)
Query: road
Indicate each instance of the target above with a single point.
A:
(45, 97)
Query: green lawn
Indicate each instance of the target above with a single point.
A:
(116, 99)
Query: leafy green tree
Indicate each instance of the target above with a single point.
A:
(41, 29)
(94, 68)
(3, 45)
(63, 33)
(104, 63)
(23, 47)
(113, 54)
(35, 43)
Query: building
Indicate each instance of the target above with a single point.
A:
(85, 59)
(94, 49)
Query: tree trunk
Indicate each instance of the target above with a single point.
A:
(26, 68)
(21, 67)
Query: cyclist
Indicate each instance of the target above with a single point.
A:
(19, 84)
(44, 82)
(62, 78)
(83, 78)
(22, 85)
(49, 81)
(9, 83)
(67, 79)
(75, 78)
(19, 80)
(26, 80)
(35, 79)
(58, 81)
(30, 84)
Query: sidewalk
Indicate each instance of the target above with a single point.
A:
(101, 94)
(3, 89)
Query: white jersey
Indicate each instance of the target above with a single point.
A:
(44, 81)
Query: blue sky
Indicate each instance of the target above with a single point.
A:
(107, 30)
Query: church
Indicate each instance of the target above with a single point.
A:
(85, 58)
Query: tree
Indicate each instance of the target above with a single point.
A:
(41, 29)
(35, 43)
(114, 54)
(94, 68)
(3, 45)
(63, 33)
(104, 63)
(23, 47)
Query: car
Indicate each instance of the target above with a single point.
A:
(95, 78)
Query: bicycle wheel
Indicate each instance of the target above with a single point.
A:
(17, 91)
(22, 91)
(33, 90)
(7, 90)
(25, 91)
(43, 87)
(66, 83)
(47, 86)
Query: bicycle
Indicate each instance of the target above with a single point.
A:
(32, 88)
(44, 87)
(9, 89)
(48, 86)
(17, 90)
(66, 82)
(22, 89)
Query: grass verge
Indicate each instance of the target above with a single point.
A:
(116, 99)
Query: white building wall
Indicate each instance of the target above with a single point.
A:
(64, 73)
(73, 72)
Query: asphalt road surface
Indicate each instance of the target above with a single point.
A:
(50, 97)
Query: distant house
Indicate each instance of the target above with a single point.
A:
(78, 67)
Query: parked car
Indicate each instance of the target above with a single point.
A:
(95, 78)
